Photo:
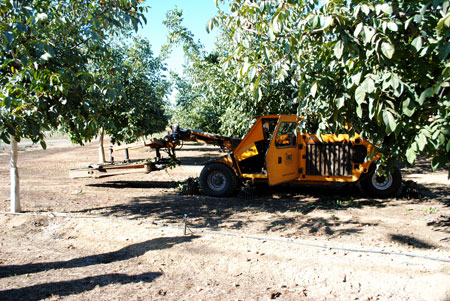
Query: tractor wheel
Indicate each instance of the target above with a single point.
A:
(382, 186)
(218, 180)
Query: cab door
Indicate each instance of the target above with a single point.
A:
(282, 156)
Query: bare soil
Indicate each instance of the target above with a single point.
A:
(122, 237)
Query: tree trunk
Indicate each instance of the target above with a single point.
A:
(101, 149)
(14, 177)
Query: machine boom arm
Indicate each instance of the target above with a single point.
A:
(179, 134)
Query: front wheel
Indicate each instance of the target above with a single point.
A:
(218, 180)
(382, 185)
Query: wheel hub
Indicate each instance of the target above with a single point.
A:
(382, 182)
(216, 180)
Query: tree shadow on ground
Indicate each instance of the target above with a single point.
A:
(441, 223)
(136, 184)
(331, 227)
(73, 287)
(203, 211)
(411, 241)
(128, 252)
(439, 193)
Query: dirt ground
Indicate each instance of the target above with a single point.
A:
(122, 237)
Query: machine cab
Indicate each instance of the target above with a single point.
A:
(270, 150)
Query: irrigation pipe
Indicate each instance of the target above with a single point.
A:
(262, 238)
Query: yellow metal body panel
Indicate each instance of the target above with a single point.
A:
(282, 156)
(253, 135)
(254, 176)
(250, 152)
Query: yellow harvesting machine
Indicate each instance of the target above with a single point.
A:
(274, 151)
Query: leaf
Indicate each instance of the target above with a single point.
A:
(371, 108)
(95, 23)
(325, 22)
(244, 69)
(360, 95)
(444, 51)
(435, 135)
(7, 102)
(365, 9)
(338, 49)
(43, 144)
(386, 8)
(387, 49)
(257, 94)
(356, 79)
(251, 73)
(417, 43)
(424, 51)
(359, 111)
(425, 94)
(340, 102)
(9, 36)
(314, 89)
(408, 107)
(210, 25)
(389, 121)
(392, 26)
(368, 32)
(395, 81)
(358, 30)
(421, 141)
(445, 21)
(411, 154)
(368, 85)
(49, 50)
(408, 22)
(275, 24)
(271, 35)
(41, 16)
(438, 161)
(46, 56)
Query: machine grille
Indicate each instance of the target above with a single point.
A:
(329, 159)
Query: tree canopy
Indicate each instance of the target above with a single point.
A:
(379, 68)
(137, 106)
(51, 57)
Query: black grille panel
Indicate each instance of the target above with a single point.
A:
(329, 159)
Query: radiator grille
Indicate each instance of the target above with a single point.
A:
(329, 159)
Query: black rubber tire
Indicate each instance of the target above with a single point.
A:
(219, 180)
(384, 186)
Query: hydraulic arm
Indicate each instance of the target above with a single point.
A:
(179, 134)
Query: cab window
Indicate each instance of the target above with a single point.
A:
(286, 135)
(269, 126)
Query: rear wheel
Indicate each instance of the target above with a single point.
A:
(382, 185)
(217, 179)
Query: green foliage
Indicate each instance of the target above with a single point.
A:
(139, 107)
(216, 96)
(382, 67)
(430, 210)
(47, 50)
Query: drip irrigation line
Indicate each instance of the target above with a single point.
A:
(221, 233)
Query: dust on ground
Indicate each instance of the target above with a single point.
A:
(123, 237)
